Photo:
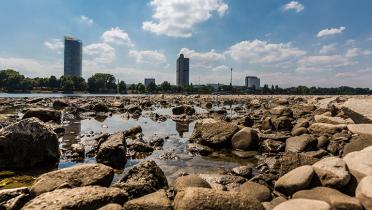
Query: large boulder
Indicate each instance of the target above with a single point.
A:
(183, 182)
(359, 163)
(359, 110)
(76, 176)
(255, 190)
(364, 192)
(214, 133)
(188, 110)
(295, 180)
(332, 172)
(325, 128)
(100, 107)
(303, 204)
(245, 139)
(156, 200)
(44, 115)
(301, 143)
(363, 129)
(28, 143)
(334, 198)
(58, 104)
(202, 198)
(332, 120)
(113, 151)
(88, 197)
(291, 160)
(143, 179)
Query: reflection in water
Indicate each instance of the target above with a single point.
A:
(182, 127)
(72, 134)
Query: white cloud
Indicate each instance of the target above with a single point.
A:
(117, 36)
(222, 68)
(354, 52)
(262, 52)
(54, 44)
(100, 53)
(320, 63)
(176, 18)
(294, 5)
(327, 48)
(358, 73)
(331, 31)
(148, 56)
(86, 20)
(204, 59)
(31, 67)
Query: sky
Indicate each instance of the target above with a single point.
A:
(323, 43)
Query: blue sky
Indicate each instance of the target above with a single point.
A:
(310, 42)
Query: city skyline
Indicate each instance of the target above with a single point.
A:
(288, 43)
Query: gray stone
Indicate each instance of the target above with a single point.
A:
(301, 143)
(221, 181)
(100, 107)
(291, 160)
(332, 172)
(364, 192)
(303, 204)
(188, 110)
(156, 200)
(295, 180)
(246, 139)
(113, 151)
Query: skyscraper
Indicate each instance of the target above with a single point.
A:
(182, 70)
(252, 82)
(73, 57)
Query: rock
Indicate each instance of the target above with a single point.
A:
(213, 133)
(283, 123)
(274, 146)
(301, 124)
(183, 182)
(143, 179)
(332, 120)
(363, 129)
(133, 108)
(133, 131)
(271, 205)
(295, 180)
(332, 172)
(79, 149)
(199, 149)
(139, 150)
(364, 192)
(100, 107)
(281, 111)
(303, 204)
(359, 163)
(290, 161)
(188, 110)
(14, 198)
(113, 151)
(334, 198)
(76, 176)
(244, 154)
(246, 121)
(316, 154)
(202, 198)
(258, 191)
(28, 143)
(111, 206)
(156, 200)
(301, 143)
(221, 181)
(89, 197)
(267, 124)
(44, 115)
(244, 171)
(357, 143)
(323, 141)
(58, 104)
(359, 110)
(324, 128)
(299, 131)
(246, 139)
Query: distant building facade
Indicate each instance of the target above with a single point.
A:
(252, 82)
(182, 71)
(148, 81)
(73, 57)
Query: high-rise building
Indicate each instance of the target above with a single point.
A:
(148, 81)
(252, 82)
(182, 71)
(73, 57)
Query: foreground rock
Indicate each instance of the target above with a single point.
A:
(324, 128)
(14, 198)
(143, 179)
(255, 190)
(201, 198)
(28, 143)
(359, 110)
(77, 176)
(246, 139)
(188, 110)
(89, 197)
(44, 115)
(113, 151)
(303, 204)
(183, 182)
(364, 129)
(214, 133)
(332, 120)
(156, 200)
(364, 192)
(359, 163)
(301, 143)
(297, 179)
(332, 172)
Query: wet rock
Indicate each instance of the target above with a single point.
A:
(113, 151)
(223, 182)
(359, 110)
(324, 128)
(44, 115)
(199, 149)
(332, 172)
(295, 180)
(138, 149)
(246, 139)
(282, 123)
(334, 198)
(156, 142)
(299, 131)
(213, 133)
(28, 143)
(303, 204)
(188, 110)
(202, 198)
(301, 143)
(143, 179)
(363, 192)
(78, 149)
(244, 171)
(273, 146)
(76, 176)
(183, 182)
(331, 120)
(58, 104)
(290, 161)
(100, 107)
(156, 200)
(89, 197)
(258, 191)
(133, 108)
(359, 163)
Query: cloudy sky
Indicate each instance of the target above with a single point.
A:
(309, 42)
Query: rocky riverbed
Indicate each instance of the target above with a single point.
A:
(186, 152)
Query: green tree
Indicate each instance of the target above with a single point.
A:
(165, 86)
(101, 83)
(53, 82)
(140, 88)
(122, 87)
(11, 80)
(151, 88)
